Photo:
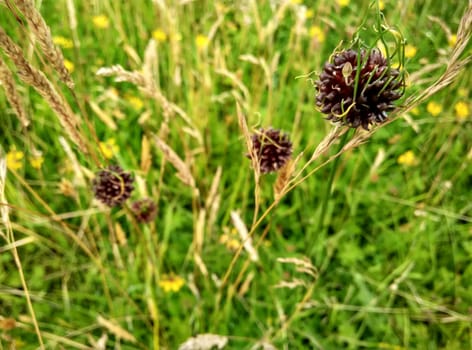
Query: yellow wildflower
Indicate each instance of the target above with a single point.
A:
(109, 148)
(462, 92)
(408, 158)
(452, 40)
(434, 108)
(201, 41)
(135, 102)
(63, 42)
(410, 51)
(36, 160)
(69, 66)
(317, 34)
(159, 35)
(343, 3)
(230, 242)
(14, 159)
(381, 5)
(296, 2)
(462, 110)
(101, 21)
(309, 13)
(171, 283)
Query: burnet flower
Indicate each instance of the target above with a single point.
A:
(112, 185)
(358, 88)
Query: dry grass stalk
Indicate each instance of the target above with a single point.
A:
(104, 117)
(284, 175)
(204, 342)
(6, 78)
(148, 87)
(122, 75)
(212, 202)
(248, 140)
(146, 156)
(198, 239)
(115, 329)
(34, 77)
(120, 235)
(303, 265)
(3, 199)
(43, 34)
(79, 178)
(10, 239)
(214, 188)
(150, 62)
(183, 171)
(73, 21)
(244, 234)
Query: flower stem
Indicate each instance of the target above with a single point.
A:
(324, 205)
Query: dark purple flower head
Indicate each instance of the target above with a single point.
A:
(112, 185)
(145, 210)
(358, 89)
(272, 149)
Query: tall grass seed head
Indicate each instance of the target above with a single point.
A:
(113, 186)
(272, 148)
(358, 98)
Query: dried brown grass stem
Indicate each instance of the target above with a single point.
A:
(35, 78)
(6, 78)
(42, 33)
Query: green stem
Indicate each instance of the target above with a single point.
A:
(324, 205)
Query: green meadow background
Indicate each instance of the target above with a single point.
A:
(380, 261)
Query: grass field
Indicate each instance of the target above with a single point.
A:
(362, 240)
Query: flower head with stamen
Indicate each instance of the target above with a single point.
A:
(358, 88)
(113, 186)
(272, 148)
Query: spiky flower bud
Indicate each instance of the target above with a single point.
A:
(113, 185)
(358, 98)
(272, 149)
(145, 210)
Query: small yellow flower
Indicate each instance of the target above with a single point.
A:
(101, 21)
(410, 51)
(462, 92)
(201, 41)
(159, 35)
(381, 5)
(14, 159)
(452, 40)
(109, 148)
(171, 283)
(408, 158)
(434, 108)
(343, 3)
(415, 111)
(462, 110)
(317, 34)
(36, 161)
(69, 66)
(135, 102)
(296, 2)
(63, 42)
(309, 13)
